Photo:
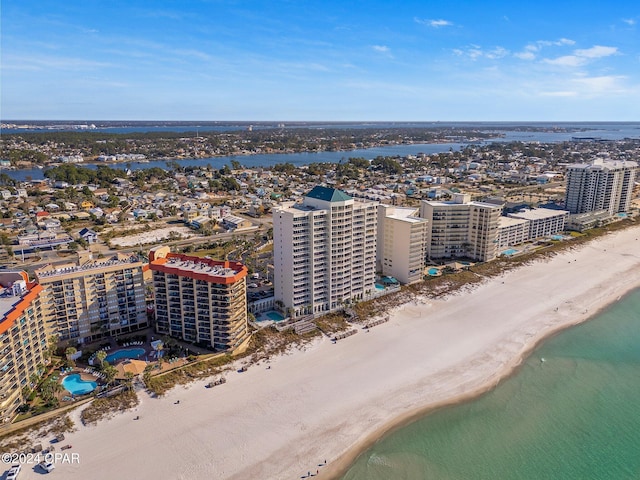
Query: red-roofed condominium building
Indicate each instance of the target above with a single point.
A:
(23, 340)
(200, 300)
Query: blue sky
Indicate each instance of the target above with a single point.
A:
(330, 60)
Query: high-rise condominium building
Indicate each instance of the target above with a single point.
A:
(402, 243)
(95, 299)
(324, 252)
(461, 228)
(200, 300)
(601, 185)
(23, 340)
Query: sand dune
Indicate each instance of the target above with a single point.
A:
(329, 400)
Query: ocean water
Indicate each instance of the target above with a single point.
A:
(575, 415)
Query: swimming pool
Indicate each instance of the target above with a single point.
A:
(379, 287)
(433, 271)
(557, 237)
(125, 353)
(511, 251)
(275, 316)
(76, 386)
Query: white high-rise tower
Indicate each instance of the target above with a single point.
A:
(324, 252)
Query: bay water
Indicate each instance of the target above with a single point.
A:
(572, 411)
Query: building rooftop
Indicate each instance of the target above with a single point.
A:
(406, 214)
(215, 271)
(538, 214)
(117, 260)
(328, 194)
(509, 222)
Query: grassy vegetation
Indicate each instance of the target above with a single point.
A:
(103, 407)
(164, 382)
(21, 440)
(332, 323)
(264, 344)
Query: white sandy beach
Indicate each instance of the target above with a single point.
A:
(329, 400)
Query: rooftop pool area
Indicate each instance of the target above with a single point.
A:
(76, 386)
(125, 353)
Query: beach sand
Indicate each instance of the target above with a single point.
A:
(329, 401)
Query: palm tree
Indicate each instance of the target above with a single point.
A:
(129, 380)
(101, 355)
(69, 352)
(110, 373)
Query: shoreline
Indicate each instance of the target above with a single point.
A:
(330, 401)
(339, 467)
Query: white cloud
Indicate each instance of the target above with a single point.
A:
(596, 51)
(629, 21)
(527, 55)
(530, 50)
(601, 84)
(381, 48)
(582, 56)
(566, 61)
(556, 43)
(475, 51)
(434, 23)
(562, 93)
(498, 52)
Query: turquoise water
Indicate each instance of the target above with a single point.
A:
(73, 384)
(511, 251)
(433, 271)
(574, 416)
(275, 316)
(125, 353)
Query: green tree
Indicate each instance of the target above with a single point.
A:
(69, 352)
(110, 373)
(101, 355)
(129, 380)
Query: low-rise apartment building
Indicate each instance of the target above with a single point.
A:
(542, 222)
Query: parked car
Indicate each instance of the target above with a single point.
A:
(253, 285)
(47, 466)
(13, 472)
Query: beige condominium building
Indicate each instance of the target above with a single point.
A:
(324, 252)
(461, 228)
(402, 243)
(95, 299)
(23, 340)
(601, 185)
(200, 300)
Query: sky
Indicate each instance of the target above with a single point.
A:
(297, 60)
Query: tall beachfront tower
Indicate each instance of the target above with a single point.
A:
(23, 340)
(94, 299)
(461, 228)
(402, 243)
(601, 185)
(200, 300)
(324, 252)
